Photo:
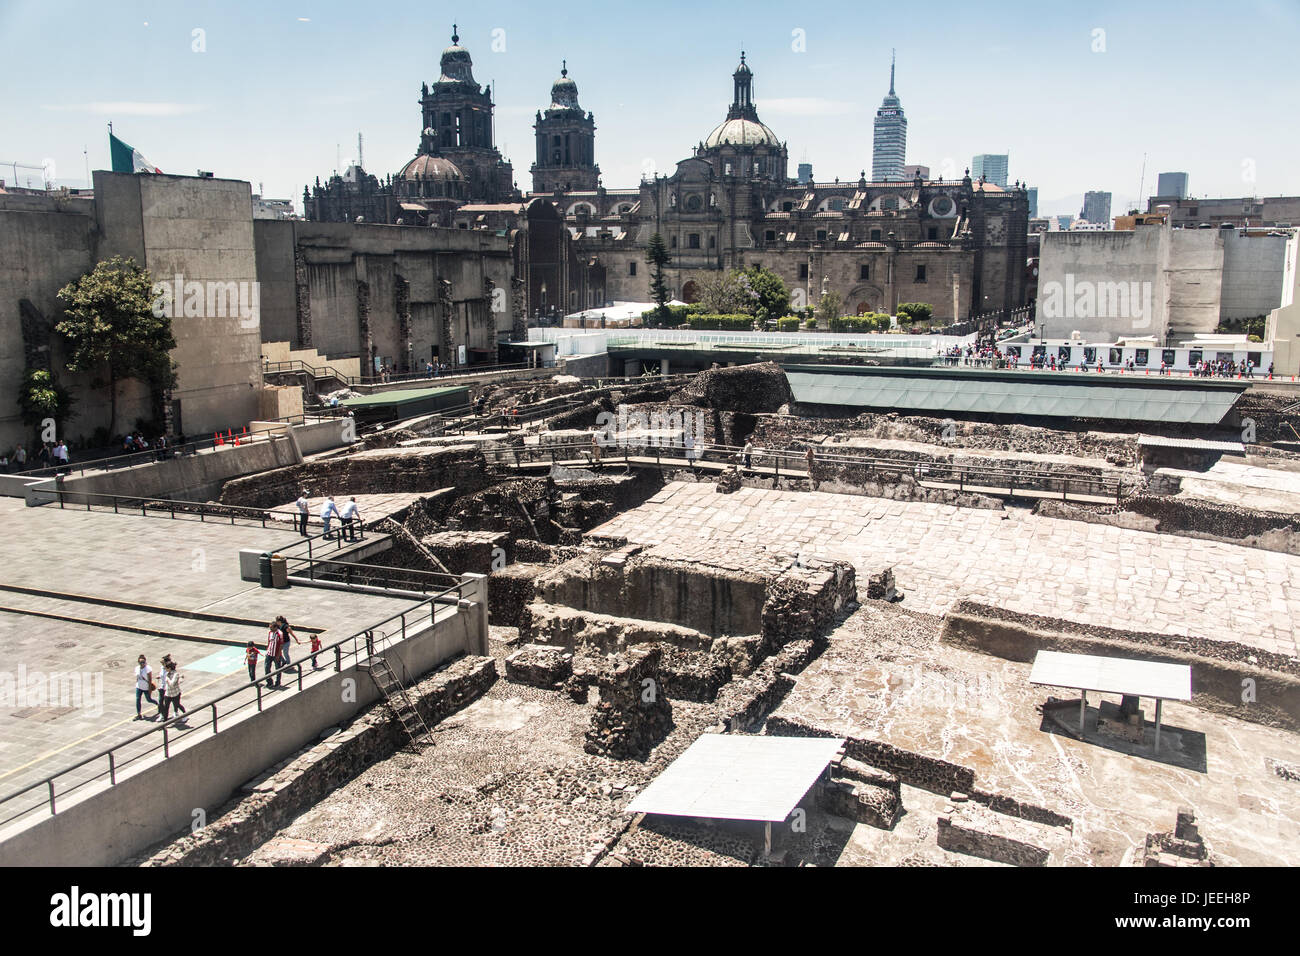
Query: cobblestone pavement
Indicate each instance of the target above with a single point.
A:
(1089, 573)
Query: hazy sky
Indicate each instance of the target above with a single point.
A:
(274, 92)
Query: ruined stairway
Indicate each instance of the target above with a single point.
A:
(395, 694)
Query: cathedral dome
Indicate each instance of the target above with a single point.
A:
(742, 132)
(426, 166)
(564, 93)
(457, 67)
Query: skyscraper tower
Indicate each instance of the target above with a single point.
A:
(889, 148)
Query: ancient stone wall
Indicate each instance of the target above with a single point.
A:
(292, 786)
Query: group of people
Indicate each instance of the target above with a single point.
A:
(279, 637)
(51, 455)
(167, 684)
(435, 369)
(349, 516)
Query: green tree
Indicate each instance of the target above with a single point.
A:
(770, 296)
(41, 397)
(916, 312)
(828, 309)
(658, 258)
(111, 330)
(722, 293)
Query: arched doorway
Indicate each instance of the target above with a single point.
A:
(864, 308)
(690, 292)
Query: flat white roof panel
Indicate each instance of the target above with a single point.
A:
(1113, 675)
(728, 777)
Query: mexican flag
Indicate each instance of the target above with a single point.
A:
(128, 159)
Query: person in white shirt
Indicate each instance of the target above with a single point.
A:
(304, 508)
(327, 512)
(351, 519)
(143, 684)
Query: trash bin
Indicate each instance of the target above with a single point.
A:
(279, 571)
(264, 569)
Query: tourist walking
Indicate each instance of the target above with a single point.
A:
(351, 520)
(315, 649)
(172, 688)
(274, 640)
(162, 698)
(811, 459)
(20, 458)
(304, 509)
(328, 511)
(143, 684)
(748, 454)
(251, 653)
(595, 449)
(287, 637)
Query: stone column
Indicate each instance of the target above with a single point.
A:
(302, 297)
(402, 305)
(446, 342)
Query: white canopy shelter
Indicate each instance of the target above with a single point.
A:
(1113, 675)
(733, 777)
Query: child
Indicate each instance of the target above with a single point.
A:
(250, 658)
(315, 649)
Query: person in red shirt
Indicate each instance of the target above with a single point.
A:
(250, 658)
(315, 649)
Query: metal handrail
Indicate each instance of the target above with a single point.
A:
(976, 475)
(171, 451)
(364, 639)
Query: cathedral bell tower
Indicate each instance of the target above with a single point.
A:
(566, 142)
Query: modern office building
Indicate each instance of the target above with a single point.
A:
(889, 147)
(992, 167)
(1096, 208)
(1172, 185)
(1032, 192)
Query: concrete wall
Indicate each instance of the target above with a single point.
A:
(339, 259)
(1253, 271)
(1169, 282)
(201, 230)
(1283, 326)
(152, 802)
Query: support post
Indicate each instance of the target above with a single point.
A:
(1083, 709)
(1158, 703)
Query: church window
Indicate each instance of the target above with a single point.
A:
(694, 240)
(875, 235)
(631, 268)
(770, 235)
(864, 272)
(920, 274)
(803, 270)
(787, 206)
(713, 241)
(821, 235)
(694, 203)
(673, 242)
(933, 234)
(837, 204)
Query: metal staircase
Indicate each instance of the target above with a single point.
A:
(395, 694)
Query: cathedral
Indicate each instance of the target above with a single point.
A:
(959, 245)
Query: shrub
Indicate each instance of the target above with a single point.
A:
(790, 324)
(721, 323)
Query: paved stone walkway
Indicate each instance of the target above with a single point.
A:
(1088, 573)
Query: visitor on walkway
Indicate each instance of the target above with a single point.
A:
(315, 649)
(748, 454)
(143, 684)
(61, 454)
(172, 687)
(428, 369)
(251, 653)
(162, 698)
(351, 520)
(304, 509)
(595, 449)
(328, 511)
(811, 459)
(690, 448)
(274, 641)
(20, 457)
(287, 637)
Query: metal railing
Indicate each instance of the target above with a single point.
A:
(230, 439)
(775, 461)
(329, 372)
(165, 736)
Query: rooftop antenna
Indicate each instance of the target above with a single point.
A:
(1143, 181)
(360, 155)
(891, 72)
